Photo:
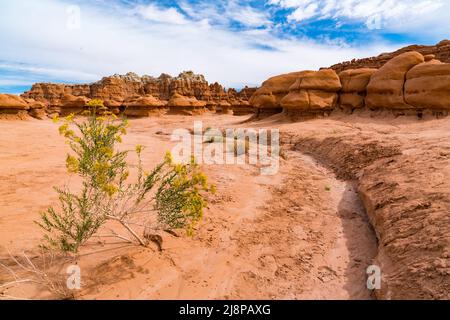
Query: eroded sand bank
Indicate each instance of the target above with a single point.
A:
(301, 234)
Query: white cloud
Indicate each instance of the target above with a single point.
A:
(389, 12)
(34, 33)
(54, 73)
(247, 15)
(15, 81)
(154, 13)
(303, 13)
(225, 12)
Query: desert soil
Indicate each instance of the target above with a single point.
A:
(301, 234)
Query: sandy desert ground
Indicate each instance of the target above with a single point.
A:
(301, 234)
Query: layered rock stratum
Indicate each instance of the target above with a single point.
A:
(313, 91)
(441, 51)
(406, 82)
(354, 88)
(412, 80)
(137, 96)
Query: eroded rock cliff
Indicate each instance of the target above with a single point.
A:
(441, 51)
(141, 96)
(354, 88)
(312, 92)
(408, 84)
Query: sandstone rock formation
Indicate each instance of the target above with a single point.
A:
(179, 104)
(239, 101)
(115, 90)
(12, 102)
(13, 105)
(428, 86)
(120, 92)
(37, 109)
(441, 51)
(406, 81)
(386, 87)
(241, 107)
(354, 83)
(409, 83)
(312, 92)
(144, 106)
(267, 99)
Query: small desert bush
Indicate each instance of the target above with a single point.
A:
(171, 195)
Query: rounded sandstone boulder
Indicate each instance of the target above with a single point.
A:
(385, 89)
(147, 101)
(143, 106)
(12, 102)
(313, 91)
(428, 86)
(273, 90)
(354, 88)
(177, 100)
(325, 80)
(356, 80)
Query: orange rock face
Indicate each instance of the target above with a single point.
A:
(354, 87)
(267, 99)
(428, 86)
(273, 90)
(120, 92)
(298, 92)
(407, 83)
(13, 106)
(240, 101)
(179, 104)
(386, 87)
(12, 102)
(143, 106)
(440, 51)
(313, 91)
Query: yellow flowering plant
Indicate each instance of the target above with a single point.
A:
(173, 194)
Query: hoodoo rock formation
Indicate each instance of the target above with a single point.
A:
(312, 92)
(413, 239)
(179, 104)
(407, 84)
(428, 86)
(354, 88)
(441, 51)
(141, 96)
(13, 105)
(409, 81)
(386, 87)
(144, 106)
(267, 99)
(402, 184)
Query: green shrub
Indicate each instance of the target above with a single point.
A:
(173, 193)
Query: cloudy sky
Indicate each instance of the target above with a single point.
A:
(231, 41)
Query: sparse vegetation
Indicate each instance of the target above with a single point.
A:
(23, 270)
(171, 196)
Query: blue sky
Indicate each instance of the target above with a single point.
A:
(234, 42)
